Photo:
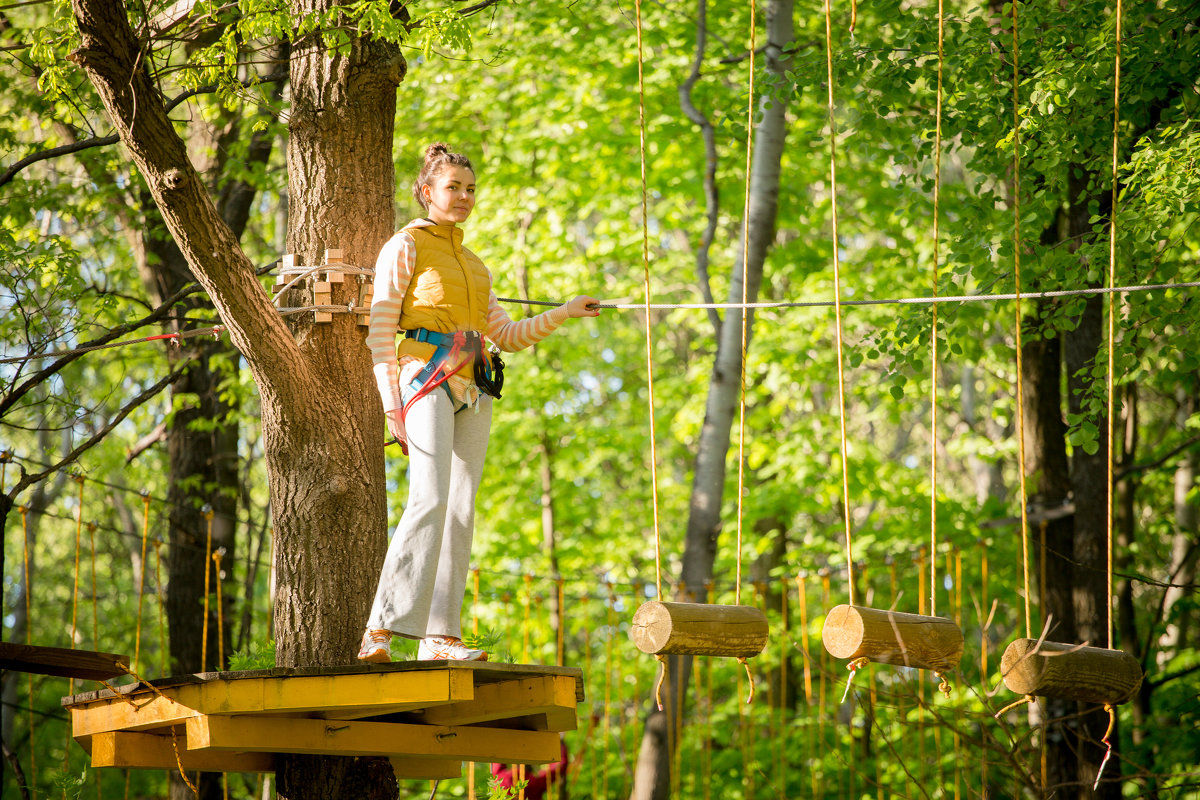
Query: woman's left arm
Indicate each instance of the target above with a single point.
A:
(511, 335)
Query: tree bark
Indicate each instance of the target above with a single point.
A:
(322, 420)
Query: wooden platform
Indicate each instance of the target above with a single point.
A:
(62, 661)
(427, 716)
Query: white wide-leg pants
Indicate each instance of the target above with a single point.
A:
(424, 575)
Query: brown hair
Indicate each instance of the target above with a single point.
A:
(437, 155)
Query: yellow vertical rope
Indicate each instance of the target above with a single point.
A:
(75, 591)
(562, 623)
(220, 609)
(837, 296)
(1112, 281)
(921, 596)
(933, 336)
(737, 589)
(137, 640)
(24, 511)
(983, 646)
(608, 671)
(95, 600)
(1042, 572)
(784, 644)
(708, 759)
(74, 616)
(1017, 281)
(208, 516)
(475, 603)
(802, 593)
(162, 622)
(646, 270)
(525, 619)
(958, 755)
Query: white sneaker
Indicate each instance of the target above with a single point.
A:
(447, 648)
(376, 646)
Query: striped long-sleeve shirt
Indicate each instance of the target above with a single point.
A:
(393, 273)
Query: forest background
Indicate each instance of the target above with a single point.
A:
(105, 446)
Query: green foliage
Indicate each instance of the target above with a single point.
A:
(544, 98)
(255, 655)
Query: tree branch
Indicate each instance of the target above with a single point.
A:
(711, 196)
(104, 141)
(7, 402)
(28, 479)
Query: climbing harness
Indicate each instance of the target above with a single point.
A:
(488, 368)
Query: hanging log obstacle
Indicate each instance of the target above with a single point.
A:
(1071, 672)
(426, 716)
(892, 637)
(699, 629)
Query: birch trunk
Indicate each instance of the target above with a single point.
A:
(708, 483)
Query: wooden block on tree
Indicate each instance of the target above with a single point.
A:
(893, 637)
(341, 738)
(334, 255)
(699, 629)
(1070, 672)
(157, 751)
(425, 769)
(62, 661)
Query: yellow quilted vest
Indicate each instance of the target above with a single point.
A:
(449, 290)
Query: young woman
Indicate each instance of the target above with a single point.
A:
(435, 387)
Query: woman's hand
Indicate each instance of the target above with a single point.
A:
(583, 306)
(395, 425)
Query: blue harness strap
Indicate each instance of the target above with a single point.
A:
(444, 342)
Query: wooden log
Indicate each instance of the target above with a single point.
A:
(61, 661)
(1070, 672)
(892, 637)
(699, 629)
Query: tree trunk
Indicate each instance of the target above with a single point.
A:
(1046, 457)
(321, 416)
(708, 483)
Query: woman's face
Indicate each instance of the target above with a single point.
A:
(450, 196)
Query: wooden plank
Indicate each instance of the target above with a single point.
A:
(369, 693)
(517, 698)
(61, 661)
(352, 695)
(337, 738)
(114, 714)
(157, 751)
(425, 769)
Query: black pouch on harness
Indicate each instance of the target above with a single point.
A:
(489, 379)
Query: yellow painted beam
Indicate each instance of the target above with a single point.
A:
(494, 701)
(369, 691)
(156, 751)
(114, 714)
(332, 738)
(355, 695)
(425, 769)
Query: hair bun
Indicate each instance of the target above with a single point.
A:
(435, 151)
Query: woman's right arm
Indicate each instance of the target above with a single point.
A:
(393, 272)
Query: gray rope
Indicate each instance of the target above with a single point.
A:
(966, 298)
(352, 309)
